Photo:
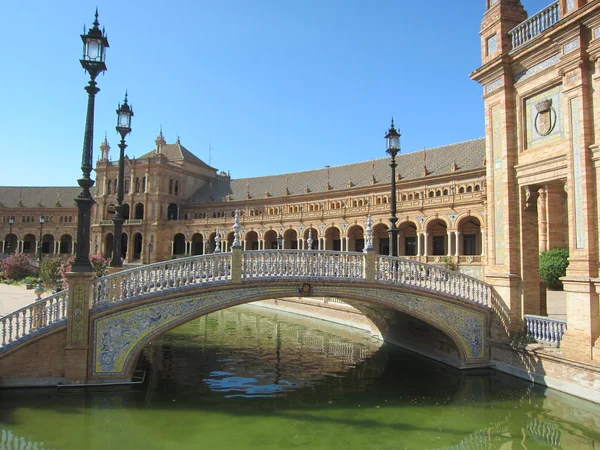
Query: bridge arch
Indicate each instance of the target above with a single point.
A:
(120, 333)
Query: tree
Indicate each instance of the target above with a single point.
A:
(553, 266)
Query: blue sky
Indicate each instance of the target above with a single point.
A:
(275, 86)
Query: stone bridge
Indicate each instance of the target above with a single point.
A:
(95, 331)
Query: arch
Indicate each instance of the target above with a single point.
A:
(142, 323)
(179, 244)
(470, 239)
(381, 241)
(333, 239)
(48, 244)
(29, 244)
(108, 245)
(445, 191)
(356, 238)
(461, 190)
(229, 241)
(139, 211)
(197, 244)
(437, 237)
(438, 193)
(10, 243)
(211, 243)
(469, 188)
(270, 240)
(251, 239)
(290, 239)
(477, 188)
(431, 194)
(138, 245)
(407, 238)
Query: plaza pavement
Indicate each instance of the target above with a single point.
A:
(15, 297)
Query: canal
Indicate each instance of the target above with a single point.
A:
(253, 378)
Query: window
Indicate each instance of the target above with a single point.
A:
(126, 186)
(109, 187)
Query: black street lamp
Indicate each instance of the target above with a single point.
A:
(42, 220)
(393, 147)
(11, 221)
(94, 52)
(124, 115)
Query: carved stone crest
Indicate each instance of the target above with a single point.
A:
(545, 120)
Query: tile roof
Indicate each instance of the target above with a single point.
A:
(468, 155)
(39, 197)
(177, 152)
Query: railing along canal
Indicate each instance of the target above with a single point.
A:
(545, 329)
(33, 319)
(535, 25)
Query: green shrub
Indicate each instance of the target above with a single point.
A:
(553, 265)
(49, 271)
(16, 267)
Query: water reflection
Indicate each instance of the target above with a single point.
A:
(251, 378)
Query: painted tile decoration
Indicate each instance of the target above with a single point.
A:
(537, 68)
(117, 335)
(497, 153)
(577, 170)
(79, 295)
(534, 138)
(492, 44)
(573, 45)
(494, 85)
(570, 5)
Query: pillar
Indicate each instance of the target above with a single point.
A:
(77, 342)
(419, 243)
(425, 239)
(457, 243)
(449, 240)
(530, 273)
(543, 220)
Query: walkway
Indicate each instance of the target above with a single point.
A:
(14, 297)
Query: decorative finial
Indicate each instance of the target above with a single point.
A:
(217, 241)
(369, 234)
(309, 241)
(96, 23)
(392, 121)
(236, 230)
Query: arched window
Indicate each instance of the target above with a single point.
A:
(438, 193)
(431, 194)
(461, 190)
(445, 191)
(109, 187)
(477, 188)
(469, 189)
(137, 185)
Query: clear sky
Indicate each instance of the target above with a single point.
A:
(275, 86)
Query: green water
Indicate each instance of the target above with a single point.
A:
(250, 378)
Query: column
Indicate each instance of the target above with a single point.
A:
(419, 243)
(171, 246)
(482, 242)
(425, 238)
(261, 244)
(530, 275)
(300, 243)
(457, 237)
(19, 247)
(449, 240)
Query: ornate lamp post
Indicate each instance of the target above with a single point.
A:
(11, 221)
(393, 147)
(94, 51)
(42, 220)
(124, 115)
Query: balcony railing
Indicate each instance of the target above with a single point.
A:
(544, 329)
(535, 25)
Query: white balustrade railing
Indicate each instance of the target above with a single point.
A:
(302, 263)
(535, 25)
(166, 275)
(413, 274)
(32, 319)
(545, 329)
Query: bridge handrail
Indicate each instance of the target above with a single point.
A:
(413, 274)
(156, 277)
(545, 329)
(302, 263)
(33, 319)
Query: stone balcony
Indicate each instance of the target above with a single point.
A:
(535, 25)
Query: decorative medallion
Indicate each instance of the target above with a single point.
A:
(545, 120)
(305, 289)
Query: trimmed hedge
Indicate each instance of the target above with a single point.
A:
(553, 265)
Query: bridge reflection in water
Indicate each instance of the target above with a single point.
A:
(249, 377)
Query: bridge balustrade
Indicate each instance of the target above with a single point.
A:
(302, 263)
(35, 318)
(432, 278)
(545, 329)
(195, 270)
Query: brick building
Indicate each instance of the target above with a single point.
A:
(488, 205)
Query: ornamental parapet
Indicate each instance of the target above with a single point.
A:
(535, 25)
